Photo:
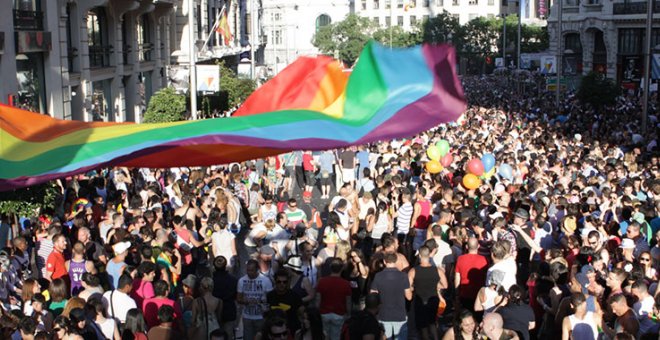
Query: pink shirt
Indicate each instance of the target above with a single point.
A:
(151, 306)
(141, 291)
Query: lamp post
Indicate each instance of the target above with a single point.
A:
(560, 62)
(519, 32)
(504, 40)
(191, 59)
(647, 65)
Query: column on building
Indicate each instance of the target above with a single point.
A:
(9, 85)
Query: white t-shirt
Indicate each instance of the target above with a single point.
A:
(256, 230)
(444, 255)
(510, 270)
(222, 243)
(643, 308)
(121, 303)
(254, 290)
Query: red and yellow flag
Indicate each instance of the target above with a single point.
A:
(224, 29)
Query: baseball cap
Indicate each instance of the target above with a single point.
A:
(307, 194)
(121, 247)
(627, 244)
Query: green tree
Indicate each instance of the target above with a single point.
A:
(165, 106)
(28, 202)
(441, 29)
(400, 37)
(598, 90)
(345, 39)
(237, 89)
(534, 39)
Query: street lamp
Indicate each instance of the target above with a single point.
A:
(504, 40)
(560, 62)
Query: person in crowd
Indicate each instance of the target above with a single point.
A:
(464, 328)
(252, 290)
(394, 289)
(166, 328)
(335, 299)
(117, 302)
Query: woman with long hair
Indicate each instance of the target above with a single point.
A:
(465, 327)
(646, 262)
(30, 288)
(312, 325)
(357, 272)
(97, 313)
(135, 328)
(59, 294)
(517, 315)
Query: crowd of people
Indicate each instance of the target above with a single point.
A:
(361, 243)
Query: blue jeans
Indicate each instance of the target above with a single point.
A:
(395, 330)
(332, 324)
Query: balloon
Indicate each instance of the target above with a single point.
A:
(488, 174)
(489, 161)
(447, 160)
(471, 181)
(433, 166)
(505, 171)
(475, 167)
(443, 146)
(433, 152)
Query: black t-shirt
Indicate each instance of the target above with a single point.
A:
(364, 323)
(391, 285)
(224, 288)
(289, 304)
(517, 318)
(347, 159)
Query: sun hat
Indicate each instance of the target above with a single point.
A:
(121, 247)
(627, 244)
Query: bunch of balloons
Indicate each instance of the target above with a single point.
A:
(439, 157)
(478, 169)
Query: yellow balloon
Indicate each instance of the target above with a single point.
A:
(433, 166)
(471, 181)
(433, 152)
(489, 174)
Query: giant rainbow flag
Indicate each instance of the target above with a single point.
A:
(312, 105)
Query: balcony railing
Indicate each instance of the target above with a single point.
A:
(125, 53)
(28, 20)
(145, 51)
(99, 55)
(634, 8)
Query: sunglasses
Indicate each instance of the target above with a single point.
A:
(644, 259)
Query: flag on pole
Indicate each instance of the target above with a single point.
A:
(223, 28)
(655, 66)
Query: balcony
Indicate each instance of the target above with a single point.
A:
(627, 8)
(144, 51)
(99, 55)
(28, 20)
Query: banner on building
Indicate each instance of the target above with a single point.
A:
(655, 66)
(33, 41)
(632, 69)
(208, 78)
(178, 77)
(548, 64)
(543, 10)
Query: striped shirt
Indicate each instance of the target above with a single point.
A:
(296, 216)
(404, 214)
(44, 248)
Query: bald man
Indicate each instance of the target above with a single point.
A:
(470, 274)
(493, 327)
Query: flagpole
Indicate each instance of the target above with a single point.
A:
(215, 24)
(191, 57)
(647, 65)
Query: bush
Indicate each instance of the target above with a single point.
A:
(598, 90)
(165, 106)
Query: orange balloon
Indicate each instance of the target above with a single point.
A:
(471, 181)
(433, 166)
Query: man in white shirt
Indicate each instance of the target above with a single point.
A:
(644, 307)
(503, 261)
(117, 301)
(252, 289)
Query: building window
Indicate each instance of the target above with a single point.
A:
(439, 3)
(387, 21)
(399, 3)
(572, 42)
(388, 4)
(630, 40)
(399, 20)
(72, 51)
(364, 5)
(97, 30)
(199, 22)
(277, 16)
(101, 96)
(456, 16)
(571, 3)
(455, 2)
(322, 21)
(377, 21)
(413, 20)
(472, 2)
(426, 3)
(143, 31)
(425, 17)
(376, 4)
(472, 16)
(490, 16)
(277, 37)
(491, 2)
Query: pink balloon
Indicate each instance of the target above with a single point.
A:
(476, 167)
(447, 160)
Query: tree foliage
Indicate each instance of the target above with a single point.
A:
(477, 36)
(237, 89)
(28, 201)
(442, 28)
(598, 90)
(165, 106)
(345, 39)
(400, 38)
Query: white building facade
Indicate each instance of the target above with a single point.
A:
(604, 36)
(101, 60)
(290, 25)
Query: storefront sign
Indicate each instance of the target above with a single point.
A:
(33, 41)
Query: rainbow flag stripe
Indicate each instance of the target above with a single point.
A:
(312, 105)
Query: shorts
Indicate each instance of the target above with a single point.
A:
(426, 313)
(348, 175)
(309, 178)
